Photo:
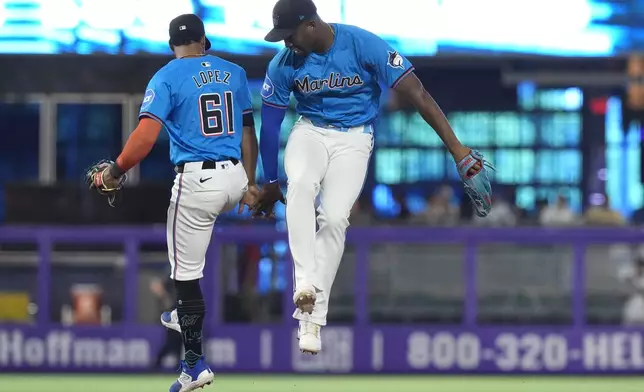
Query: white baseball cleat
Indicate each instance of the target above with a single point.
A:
(309, 336)
(193, 378)
(170, 320)
(304, 299)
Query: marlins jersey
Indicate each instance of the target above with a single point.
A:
(340, 88)
(201, 102)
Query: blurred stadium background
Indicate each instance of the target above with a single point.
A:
(551, 283)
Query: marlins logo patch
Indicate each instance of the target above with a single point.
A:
(267, 88)
(147, 98)
(395, 60)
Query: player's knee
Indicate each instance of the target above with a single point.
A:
(297, 186)
(333, 220)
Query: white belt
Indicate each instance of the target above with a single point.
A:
(358, 129)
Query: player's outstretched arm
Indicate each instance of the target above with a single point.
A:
(138, 146)
(249, 153)
(249, 149)
(470, 164)
(269, 143)
(276, 94)
(413, 90)
(108, 177)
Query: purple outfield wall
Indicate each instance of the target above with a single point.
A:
(357, 348)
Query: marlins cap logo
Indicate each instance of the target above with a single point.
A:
(395, 60)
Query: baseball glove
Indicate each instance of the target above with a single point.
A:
(98, 177)
(476, 182)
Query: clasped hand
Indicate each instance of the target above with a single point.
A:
(263, 204)
(249, 199)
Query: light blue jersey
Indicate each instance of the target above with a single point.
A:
(341, 87)
(201, 102)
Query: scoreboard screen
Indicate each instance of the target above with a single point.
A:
(414, 27)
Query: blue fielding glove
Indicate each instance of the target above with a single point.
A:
(476, 183)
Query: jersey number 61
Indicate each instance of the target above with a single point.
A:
(213, 112)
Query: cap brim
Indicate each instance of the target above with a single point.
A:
(207, 43)
(277, 35)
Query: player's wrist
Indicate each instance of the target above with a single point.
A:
(116, 171)
(459, 151)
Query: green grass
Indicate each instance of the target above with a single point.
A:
(264, 383)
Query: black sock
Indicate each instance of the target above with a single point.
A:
(191, 310)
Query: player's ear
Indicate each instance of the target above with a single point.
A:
(310, 27)
(203, 43)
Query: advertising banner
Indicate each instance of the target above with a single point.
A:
(387, 349)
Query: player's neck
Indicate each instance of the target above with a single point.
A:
(327, 37)
(183, 52)
(188, 55)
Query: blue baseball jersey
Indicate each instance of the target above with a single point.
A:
(340, 88)
(201, 102)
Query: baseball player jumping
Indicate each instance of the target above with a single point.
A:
(204, 103)
(334, 71)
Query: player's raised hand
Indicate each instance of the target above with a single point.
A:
(250, 199)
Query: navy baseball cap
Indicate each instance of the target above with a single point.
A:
(187, 27)
(288, 15)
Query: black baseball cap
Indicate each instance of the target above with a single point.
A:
(187, 26)
(288, 15)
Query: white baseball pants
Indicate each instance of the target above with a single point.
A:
(333, 163)
(198, 197)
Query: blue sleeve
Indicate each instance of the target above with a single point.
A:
(157, 101)
(390, 66)
(245, 101)
(276, 90)
(269, 139)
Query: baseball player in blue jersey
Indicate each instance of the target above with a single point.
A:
(204, 103)
(334, 71)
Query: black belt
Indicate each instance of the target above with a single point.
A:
(208, 164)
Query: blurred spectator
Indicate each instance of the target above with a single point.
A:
(249, 256)
(532, 216)
(440, 210)
(603, 215)
(540, 204)
(637, 218)
(163, 290)
(404, 214)
(502, 214)
(524, 216)
(633, 275)
(558, 214)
